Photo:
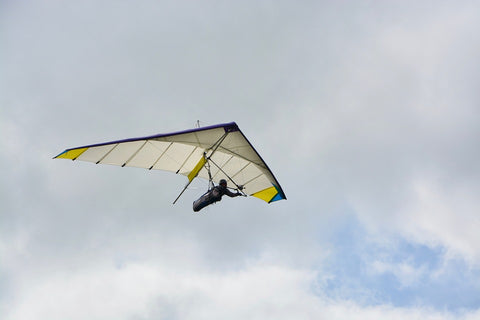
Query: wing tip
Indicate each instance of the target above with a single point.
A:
(71, 154)
(60, 154)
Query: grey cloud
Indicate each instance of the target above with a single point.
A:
(350, 104)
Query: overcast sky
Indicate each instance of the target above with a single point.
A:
(366, 111)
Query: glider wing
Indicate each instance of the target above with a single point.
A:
(186, 153)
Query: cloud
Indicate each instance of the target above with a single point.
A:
(140, 291)
(448, 214)
(394, 132)
(372, 270)
(366, 113)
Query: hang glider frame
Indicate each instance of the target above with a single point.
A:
(205, 161)
(239, 188)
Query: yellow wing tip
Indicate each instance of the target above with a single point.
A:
(71, 154)
(270, 194)
(267, 194)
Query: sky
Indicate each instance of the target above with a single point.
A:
(367, 112)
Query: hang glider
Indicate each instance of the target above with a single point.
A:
(215, 152)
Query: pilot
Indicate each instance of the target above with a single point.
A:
(222, 189)
(213, 196)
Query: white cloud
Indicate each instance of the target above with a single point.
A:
(357, 107)
(141, 291)
(448, 215)
(397, 135)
